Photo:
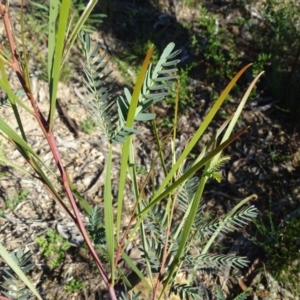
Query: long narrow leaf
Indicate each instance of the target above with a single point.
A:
(30, 155)
(11, 95)
(59, 46)
(12, 100)
(11, 134)
(12, 264)
(182, 179)
(135, 269)
(199, 132)
(53, 14)
(108, 214)
(126, 145)
(190, 220)
(191, 171)
(10, 163)
(196, 201)
(238, 112)
(89, 7)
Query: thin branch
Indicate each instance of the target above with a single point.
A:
(44, 125)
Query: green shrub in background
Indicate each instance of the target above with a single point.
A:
(165, 244)
(275, 44)
(53, 247)
(88, 125)
(74, 286)
(185, 96)
(280, 243)
(222, 56)
(11, 203)
(281, 28)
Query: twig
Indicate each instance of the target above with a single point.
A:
(48, 134)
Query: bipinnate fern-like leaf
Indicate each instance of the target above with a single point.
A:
(109, 109)
(157, 82)
(238, 220)
(213, 171)
(95, 228)
(186, 192)
(154, 221)
(154, 253)
(16, 289)
(216, 261)
(186, 291)
(185, 196)
(244, 295)
(220, 296)
(156, 228)
(103, 96)
(131, 297)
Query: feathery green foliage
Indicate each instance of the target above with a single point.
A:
(243, 296)
(216, 261)
(15, 288)
(54, 247)
(73, 286)
(186, 291)
(96, 229)
(103, 103)
(213, 171)
(238, 220)
(132, 297)
(110, 109)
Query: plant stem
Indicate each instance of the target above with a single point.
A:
(48, 134)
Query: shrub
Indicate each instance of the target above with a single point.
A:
(165, 243)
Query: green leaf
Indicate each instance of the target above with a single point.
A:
(244, 295)
(126, 145)
(13, 265)
(145, 117)
(199, 133)
(53, 14)
(24, 148)
(78, 27)
(219, 295)
(135, 269)
(238, 112)
(13, 97)
(191, 171)
(241, 218)
(55, 62)
(109, 215)
(108, 109)
(220, 260)
(227, 219)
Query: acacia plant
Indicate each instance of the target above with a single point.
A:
(165, 244)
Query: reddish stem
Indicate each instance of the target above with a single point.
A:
(44, 125)
(4, 298)
(165, 253)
